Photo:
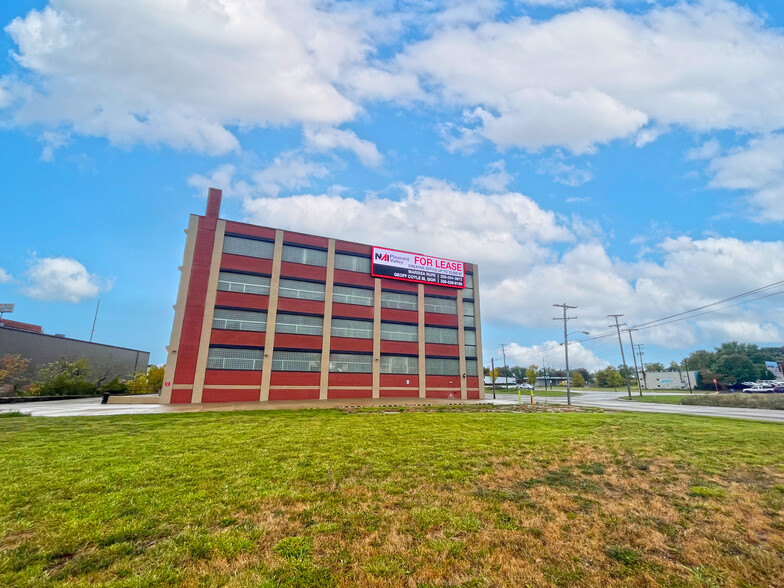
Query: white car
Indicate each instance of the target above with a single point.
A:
(759, 389)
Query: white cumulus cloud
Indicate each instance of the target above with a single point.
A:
(328, 138)
(592, 75)
(183, 73)
(5, 277)
(63, 279)
(551, 354)
(758, 170)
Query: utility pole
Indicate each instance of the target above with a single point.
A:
(95, 318)
(634, 357)
(493, 375)
(623, 357)
(686, 369)
(506, 368)
(642, 365)
(565, 320)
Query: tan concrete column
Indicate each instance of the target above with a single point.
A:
(461, 345)
(209, 312)
(421, 337)
(377, 338)
(179, 308)
(478, 326)
(329, 287)
(272, 315)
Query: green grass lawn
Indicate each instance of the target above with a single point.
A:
(440, 498)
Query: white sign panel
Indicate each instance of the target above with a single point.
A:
(7, 307)
(415, 267)
(774, 369)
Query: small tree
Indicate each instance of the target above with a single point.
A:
(155, 377)
(13, 370)
(530, 374)
(578, 381)
(66, 378)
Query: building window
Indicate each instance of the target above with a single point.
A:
(301, 290)
(352, 328)
(299, 324)
(468, 314)
(470, 350)
(239, 320)
(352, 263)
(349, 295)
(471, 368)
(398, 300)
(397, 332)
(303, 255)
(225, 358)
(399, 364)
(248, 247)
(468, 291)
(470, 337)
(350, 363)
(231, 282)
(440, 305)
(441, 335)
(296, 361)
(435, 366)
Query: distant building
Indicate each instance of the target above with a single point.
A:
(30, 342)
(682, 380)
(501, 382)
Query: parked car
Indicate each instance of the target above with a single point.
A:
(759, 389)
(527, 386)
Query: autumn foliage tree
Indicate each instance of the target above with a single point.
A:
(13, 370)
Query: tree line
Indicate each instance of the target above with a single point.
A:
(72, 377)
(730, 364)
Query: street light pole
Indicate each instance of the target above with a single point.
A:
(623, 357)
(565, 320)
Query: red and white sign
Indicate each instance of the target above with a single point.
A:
(415, 267)
(167, 383)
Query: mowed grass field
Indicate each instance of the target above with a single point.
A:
(391, 498)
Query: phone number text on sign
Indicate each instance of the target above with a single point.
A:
(414, 267)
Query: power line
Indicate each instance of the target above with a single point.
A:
(666, 320)
(760, 289)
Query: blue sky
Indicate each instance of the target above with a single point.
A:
(623, 157)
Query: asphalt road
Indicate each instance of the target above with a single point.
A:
(609, 401)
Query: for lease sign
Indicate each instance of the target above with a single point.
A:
(415, 267)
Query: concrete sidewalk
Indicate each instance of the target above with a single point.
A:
(93, 406)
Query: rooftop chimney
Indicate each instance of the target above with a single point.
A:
(213, 203)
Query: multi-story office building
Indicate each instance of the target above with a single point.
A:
(265, 314)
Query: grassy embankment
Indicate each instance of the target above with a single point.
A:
(770, 401)
(318, 498)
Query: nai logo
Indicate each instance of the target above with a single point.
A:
(382, 256)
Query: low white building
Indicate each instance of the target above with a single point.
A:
(682, 380)
(501, 382)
